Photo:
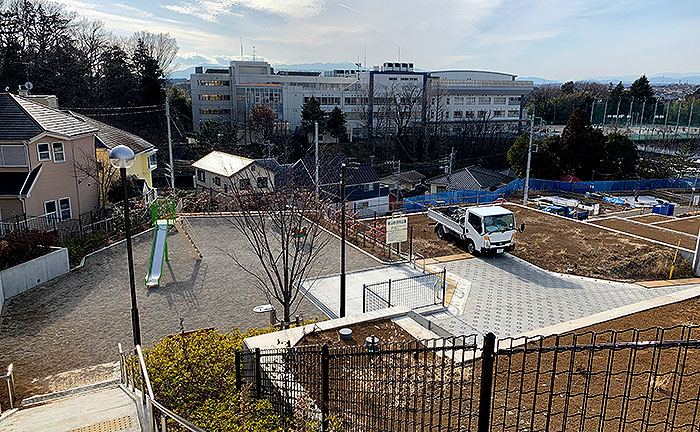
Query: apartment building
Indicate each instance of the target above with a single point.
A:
(369, 98)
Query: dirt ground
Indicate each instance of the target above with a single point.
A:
(648, 231)
(386, 331)
(564, 246)
(568, 246)
(641, 385)
(651, 218)
(689, 225)
(426, 242)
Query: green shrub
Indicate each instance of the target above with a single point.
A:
(22, 246)
(194, 374)
(78, 247)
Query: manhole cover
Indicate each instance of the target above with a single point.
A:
(113, 425)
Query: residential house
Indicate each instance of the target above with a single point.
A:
(108, 137)
(472, 177)
(408, 182)
(364, 192)
(40, 148)
(223, 171)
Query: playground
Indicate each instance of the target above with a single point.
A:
(76, 321)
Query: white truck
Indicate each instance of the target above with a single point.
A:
(483, 228)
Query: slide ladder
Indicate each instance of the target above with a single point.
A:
(185, 228)
(159, 253)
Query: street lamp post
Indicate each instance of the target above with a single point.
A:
(122, 157)
(342, 240)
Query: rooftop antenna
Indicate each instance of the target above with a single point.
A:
(399, 53)
(241, 48)
(365, 63)
(253, 52)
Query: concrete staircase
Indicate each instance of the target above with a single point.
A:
(106, 409)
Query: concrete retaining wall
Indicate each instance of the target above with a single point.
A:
(18, 279)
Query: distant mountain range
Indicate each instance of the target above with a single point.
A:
(657, 79)
(185, 73)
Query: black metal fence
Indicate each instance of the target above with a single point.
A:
(632, 380)
(414, 291)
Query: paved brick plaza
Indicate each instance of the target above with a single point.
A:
(78, 319)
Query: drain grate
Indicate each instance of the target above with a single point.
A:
(113, 425)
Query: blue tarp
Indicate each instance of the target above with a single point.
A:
(420, 203)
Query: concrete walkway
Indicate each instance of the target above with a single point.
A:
(106, 410)
(508, 296)
(324, 292)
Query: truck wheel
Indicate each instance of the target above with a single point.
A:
(440, 231)
(471, 248)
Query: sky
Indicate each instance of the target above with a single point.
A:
(560, 40)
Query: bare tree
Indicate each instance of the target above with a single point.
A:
(88, 167)
(282, 228)
(161, 47)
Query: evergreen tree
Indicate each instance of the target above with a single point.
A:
(642, 90)
(568, 87)
(311, 112)
(618, 93)
(116, 83)
(544, 163)
(149, 76)
(619, 156)
(581, 146)
(336, 124)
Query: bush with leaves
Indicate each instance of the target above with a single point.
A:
(22, 246)
(80, 246)
(194, 374)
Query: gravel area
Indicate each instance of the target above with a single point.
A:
(76, 321)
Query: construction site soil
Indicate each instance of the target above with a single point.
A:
(690, 225)
(649, 231)
(568, 246)
(650, 218)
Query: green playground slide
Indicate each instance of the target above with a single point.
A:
(159, 253)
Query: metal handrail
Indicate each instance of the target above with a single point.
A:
(10, 380)
(148, 398)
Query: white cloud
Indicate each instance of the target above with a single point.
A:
(212, 10)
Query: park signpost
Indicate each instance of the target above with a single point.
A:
(396, 232)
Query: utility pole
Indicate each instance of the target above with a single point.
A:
(398, 183)
(641, 119)
(592, 108)
(170, 145)
(529, 157)
(316, 167)
(342, 240)
(449, 168)
(617, 113)
(678, 118)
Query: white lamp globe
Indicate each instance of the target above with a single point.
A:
(121, 157)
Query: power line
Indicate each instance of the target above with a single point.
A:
(122, 113)
(114, 108)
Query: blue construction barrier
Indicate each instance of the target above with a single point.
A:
(421, 203)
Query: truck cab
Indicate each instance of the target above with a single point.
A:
(482, 228)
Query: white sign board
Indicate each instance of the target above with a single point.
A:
(396, 230)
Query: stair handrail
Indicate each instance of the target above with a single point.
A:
(128, 374)
(10, 380)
